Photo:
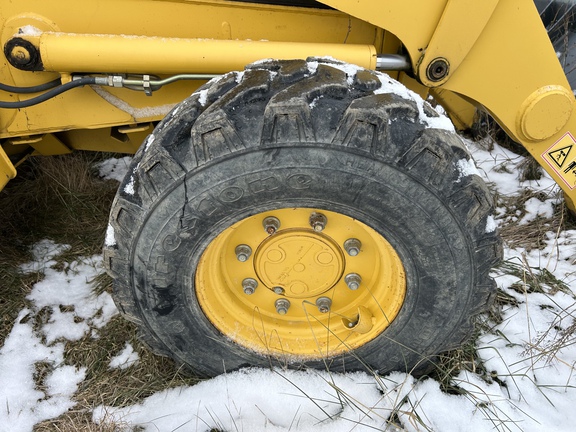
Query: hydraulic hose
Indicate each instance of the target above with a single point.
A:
(33, 89)
(49, 94)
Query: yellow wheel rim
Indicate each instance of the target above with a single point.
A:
(305, 283)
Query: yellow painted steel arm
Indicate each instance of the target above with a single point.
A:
(508, 66)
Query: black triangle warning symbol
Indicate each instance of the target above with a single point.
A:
(559, 156)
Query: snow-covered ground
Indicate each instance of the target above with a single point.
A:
(530, 385)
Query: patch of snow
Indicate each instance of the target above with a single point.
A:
(466, 167)
(315, 101)
(43, 254)
(66, 298)
(262, 61)
(349, 69)
(110, 239)
(265, 400)
(129, 188)
(149, 140)
(491, 224)
(390, 85)
(312, 67)
(114, 168)
(536, 208)
(126, 358)
(203, 97)
(29, 30)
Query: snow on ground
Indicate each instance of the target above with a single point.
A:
(75, 311)
(531, 385)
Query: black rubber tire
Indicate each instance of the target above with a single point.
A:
(287, 134)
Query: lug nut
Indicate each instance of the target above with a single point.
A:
(323, 304)
(352, 246)
(278, 290)
(318, 221)
(353, 281)
(282, 306)
(271, 224)
(249, 285)
(243, 252)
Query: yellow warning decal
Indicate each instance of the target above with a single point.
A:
(561, 156)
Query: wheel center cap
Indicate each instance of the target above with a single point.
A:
(301, 262)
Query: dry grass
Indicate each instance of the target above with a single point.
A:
(113, 387)
(53, 197)
(62, 199)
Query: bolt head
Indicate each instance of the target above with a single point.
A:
(242, 257)
(271, 224)
(353, 281)
(282, 306)
(352, 246)
(249, 285)
(278, 290)
(323, 304)
(318, 221)
(243, 252)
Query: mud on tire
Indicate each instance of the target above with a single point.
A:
(319, 135)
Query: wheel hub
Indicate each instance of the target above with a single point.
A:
(300, 282)
(302, 263)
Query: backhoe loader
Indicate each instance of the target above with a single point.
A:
(294, 199)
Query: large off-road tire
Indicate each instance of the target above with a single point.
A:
(302, 213)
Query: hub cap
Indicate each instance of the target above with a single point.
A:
(300, 301)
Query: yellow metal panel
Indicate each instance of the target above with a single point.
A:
(460, 26)
(412, 21)
(46, 145)
(214, 20)
(7, 170)
(461, 112)
(511, 69)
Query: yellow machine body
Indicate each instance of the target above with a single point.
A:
(493, 54)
